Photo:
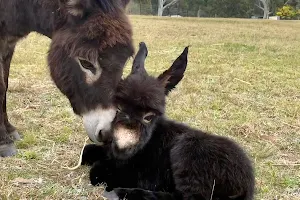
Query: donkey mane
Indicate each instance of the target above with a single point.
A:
(102, 30)
(106, 6)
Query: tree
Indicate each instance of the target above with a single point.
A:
(288, 12)
(163, 4)
(222, 8)
(200, 5)
(265, 6)
(211, 8)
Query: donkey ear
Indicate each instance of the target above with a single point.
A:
(76, 7)
(138, 66)
(171, 77)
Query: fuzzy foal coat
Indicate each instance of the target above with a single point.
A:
(172, 160)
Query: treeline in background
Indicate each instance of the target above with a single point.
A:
(286, 9)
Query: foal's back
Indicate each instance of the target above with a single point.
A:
(203, 164)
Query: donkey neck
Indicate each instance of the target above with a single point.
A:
(19, 18)
(44, 17)
(165, 132)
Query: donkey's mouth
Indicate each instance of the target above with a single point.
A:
(97, 122)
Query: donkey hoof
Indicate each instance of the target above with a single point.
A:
(7, 150)
(15, 135)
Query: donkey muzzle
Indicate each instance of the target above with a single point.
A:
(97, 123)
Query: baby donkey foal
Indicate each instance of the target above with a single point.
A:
(150, 157)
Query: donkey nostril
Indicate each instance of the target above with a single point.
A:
(103, 136)
(100, 136)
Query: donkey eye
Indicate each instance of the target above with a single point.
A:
(148, 117)
(119, 108)
(87, 65)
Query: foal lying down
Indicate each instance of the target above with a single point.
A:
(148, 156)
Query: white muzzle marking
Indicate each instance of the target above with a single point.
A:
(98, 120)
(125, 137)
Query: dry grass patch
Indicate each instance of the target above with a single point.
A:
(242, 81)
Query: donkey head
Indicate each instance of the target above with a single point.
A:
(90, 45)
(140, 100)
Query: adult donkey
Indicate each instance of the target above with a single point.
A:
(91, 42)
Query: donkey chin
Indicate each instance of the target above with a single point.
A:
(98, 122)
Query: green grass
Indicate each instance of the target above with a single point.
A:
(242, 81)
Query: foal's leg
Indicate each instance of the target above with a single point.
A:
(104, 171)
(7, 147)
(93, 153)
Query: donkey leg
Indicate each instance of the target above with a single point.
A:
(7, 147)
(93, 153)
(11, 130)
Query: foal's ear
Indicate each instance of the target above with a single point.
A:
(138, 66)
(171, 77)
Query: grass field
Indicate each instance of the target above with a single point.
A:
(242, 81)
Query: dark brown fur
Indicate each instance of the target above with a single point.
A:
(96, 30)
(170, 160)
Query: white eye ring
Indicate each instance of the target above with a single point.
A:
(148, 117)
(89, 75)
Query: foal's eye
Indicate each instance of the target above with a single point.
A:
(148, 117)
(119, 108)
